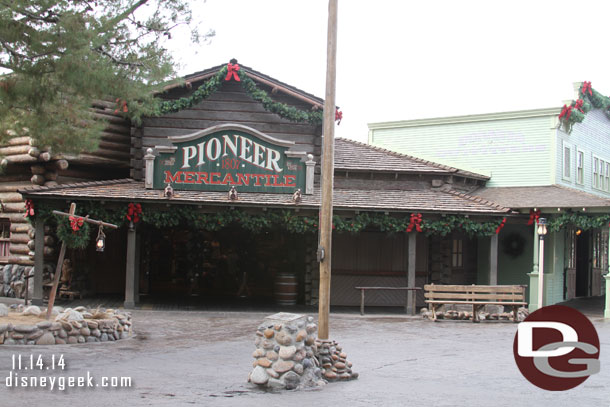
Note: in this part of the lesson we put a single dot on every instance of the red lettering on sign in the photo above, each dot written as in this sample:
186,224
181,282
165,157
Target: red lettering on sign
189,177
228,179
290,180
202,178
243,179
258,179
175,178
212,181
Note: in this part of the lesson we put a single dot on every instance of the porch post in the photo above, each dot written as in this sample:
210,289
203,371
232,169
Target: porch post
38,261
493,260
533,298
136,274
130,267
411,295
607,277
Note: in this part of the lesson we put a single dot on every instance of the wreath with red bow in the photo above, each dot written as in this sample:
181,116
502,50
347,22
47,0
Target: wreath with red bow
73,231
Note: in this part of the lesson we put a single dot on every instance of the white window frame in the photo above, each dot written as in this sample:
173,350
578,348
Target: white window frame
567,164
595,175
607,177
580,166
5,239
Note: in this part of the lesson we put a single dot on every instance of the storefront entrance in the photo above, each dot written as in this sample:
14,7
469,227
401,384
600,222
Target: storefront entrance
224,265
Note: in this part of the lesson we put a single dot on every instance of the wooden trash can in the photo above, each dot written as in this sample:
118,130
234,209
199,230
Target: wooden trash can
286,289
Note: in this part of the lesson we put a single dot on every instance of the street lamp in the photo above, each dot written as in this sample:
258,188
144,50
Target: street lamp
541,233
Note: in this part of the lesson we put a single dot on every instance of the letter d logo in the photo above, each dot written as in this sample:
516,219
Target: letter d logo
556,348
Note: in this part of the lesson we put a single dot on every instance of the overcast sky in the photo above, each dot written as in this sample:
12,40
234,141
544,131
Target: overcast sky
401,60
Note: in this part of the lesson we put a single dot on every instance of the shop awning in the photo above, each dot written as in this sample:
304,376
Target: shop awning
420,200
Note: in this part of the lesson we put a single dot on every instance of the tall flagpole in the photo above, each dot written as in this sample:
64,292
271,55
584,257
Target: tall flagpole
328,158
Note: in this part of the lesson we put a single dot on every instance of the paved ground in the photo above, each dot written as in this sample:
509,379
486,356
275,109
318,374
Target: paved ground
203,358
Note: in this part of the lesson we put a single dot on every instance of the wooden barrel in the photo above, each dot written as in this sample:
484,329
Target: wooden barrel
286,289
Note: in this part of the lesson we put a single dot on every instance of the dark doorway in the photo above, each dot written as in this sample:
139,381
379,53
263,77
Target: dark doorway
232,264
583,264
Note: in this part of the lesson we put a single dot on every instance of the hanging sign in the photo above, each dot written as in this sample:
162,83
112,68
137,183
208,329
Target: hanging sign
228,156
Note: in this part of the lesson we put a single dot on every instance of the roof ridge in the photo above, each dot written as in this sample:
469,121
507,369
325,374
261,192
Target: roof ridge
478,199
578,190
82,184
416,159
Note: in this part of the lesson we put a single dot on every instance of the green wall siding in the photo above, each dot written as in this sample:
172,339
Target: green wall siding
514,152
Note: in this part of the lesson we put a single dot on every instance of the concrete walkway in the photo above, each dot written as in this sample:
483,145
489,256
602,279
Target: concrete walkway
183,358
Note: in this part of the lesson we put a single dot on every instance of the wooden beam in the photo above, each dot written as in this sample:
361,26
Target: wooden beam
493,260
38,262
412,251
130,286
328,158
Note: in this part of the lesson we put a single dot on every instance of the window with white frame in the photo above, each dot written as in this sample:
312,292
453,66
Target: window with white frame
595,180
5,235
567,161
580,167
602,166
607,178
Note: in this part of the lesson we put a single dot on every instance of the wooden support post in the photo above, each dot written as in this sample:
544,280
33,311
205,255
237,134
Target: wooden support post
411,295
60,261
136,276
362,301
493,260
38,262
130,267
328,158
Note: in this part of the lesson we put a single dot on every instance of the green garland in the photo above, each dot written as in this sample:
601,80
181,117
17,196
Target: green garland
213,84
589,101
584,222
72,239
287,219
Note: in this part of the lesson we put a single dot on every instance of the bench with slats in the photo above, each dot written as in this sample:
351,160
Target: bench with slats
475,295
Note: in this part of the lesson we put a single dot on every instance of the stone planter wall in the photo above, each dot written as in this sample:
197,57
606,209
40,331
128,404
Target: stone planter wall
68,331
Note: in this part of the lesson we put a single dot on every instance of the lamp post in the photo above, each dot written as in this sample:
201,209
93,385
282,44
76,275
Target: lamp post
541,233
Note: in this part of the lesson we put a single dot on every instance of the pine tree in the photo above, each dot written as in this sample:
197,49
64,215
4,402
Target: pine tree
57,56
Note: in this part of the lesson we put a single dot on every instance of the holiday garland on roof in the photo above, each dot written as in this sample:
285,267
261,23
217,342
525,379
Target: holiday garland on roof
289,220
588,98
233,71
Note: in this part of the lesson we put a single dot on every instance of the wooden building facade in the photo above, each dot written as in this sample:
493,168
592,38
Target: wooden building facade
399,220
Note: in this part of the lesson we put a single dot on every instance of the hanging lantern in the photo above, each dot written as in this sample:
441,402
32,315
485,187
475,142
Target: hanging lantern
100,241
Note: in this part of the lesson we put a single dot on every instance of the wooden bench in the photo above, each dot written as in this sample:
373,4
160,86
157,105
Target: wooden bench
363,289
475,295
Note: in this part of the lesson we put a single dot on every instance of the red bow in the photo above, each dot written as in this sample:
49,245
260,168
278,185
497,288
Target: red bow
76,222
415,221
566,111
133,212
500,226
232,72
534,216
121,106
586,87
338,116
578,105
29,208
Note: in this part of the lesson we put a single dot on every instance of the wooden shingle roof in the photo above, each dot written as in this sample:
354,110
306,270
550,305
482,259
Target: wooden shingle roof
421,200
352,155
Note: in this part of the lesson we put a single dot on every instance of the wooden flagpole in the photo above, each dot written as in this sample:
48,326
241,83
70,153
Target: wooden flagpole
328,158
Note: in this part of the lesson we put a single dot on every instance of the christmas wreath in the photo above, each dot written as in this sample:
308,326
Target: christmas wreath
513,244
74,235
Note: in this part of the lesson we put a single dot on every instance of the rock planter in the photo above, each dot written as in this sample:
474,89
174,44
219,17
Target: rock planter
288,355
70,326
